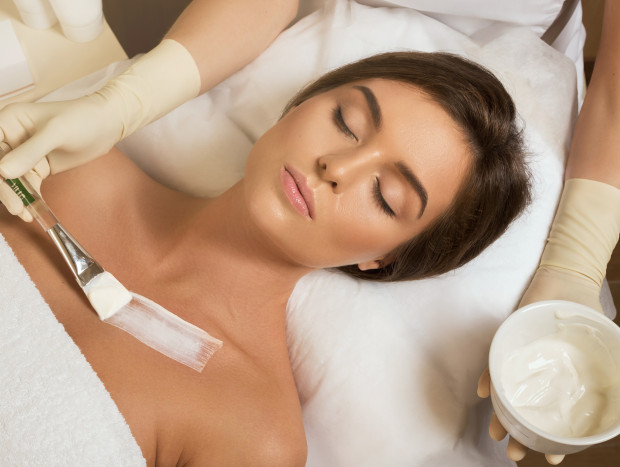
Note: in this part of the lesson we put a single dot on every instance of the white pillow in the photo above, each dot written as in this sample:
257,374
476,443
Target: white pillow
386,372
474,16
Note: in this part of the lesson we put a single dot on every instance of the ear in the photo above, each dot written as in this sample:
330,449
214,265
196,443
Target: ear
368,265
377,263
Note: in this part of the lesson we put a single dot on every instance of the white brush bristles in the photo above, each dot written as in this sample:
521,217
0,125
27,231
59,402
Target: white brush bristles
106,294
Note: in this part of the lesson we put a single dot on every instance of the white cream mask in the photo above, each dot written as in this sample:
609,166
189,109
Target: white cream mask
566,383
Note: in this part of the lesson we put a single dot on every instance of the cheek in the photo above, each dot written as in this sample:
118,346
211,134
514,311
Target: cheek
359,232
264,150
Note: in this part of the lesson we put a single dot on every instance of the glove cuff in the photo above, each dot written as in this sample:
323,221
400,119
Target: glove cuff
585,229
561,284
155,84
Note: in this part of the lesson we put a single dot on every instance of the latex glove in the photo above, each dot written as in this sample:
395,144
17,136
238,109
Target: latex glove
515,450
34,177
69,133
582,239
572,267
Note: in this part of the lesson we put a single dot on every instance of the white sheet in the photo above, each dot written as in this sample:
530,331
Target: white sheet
386,373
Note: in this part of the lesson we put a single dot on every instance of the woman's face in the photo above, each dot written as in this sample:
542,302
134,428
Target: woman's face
350,174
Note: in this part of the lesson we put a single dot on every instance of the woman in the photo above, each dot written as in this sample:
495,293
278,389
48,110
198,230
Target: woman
398,157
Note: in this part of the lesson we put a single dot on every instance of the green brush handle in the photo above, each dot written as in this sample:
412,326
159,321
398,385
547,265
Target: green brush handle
33,202
83,266
29,196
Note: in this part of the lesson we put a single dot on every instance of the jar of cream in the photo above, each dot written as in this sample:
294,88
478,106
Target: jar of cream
555,372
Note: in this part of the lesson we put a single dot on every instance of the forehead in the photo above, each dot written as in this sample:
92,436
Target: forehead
400,95
412,114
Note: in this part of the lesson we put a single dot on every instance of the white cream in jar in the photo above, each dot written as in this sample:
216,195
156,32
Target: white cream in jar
566,383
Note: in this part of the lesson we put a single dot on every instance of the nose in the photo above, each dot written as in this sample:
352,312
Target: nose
342,170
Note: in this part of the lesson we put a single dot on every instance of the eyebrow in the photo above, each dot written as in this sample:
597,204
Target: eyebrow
407,173
373,105
415,184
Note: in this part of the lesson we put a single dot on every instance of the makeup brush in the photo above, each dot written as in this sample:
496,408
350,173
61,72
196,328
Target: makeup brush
144,319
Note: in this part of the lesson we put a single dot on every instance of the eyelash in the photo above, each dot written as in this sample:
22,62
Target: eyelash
385,207
341,124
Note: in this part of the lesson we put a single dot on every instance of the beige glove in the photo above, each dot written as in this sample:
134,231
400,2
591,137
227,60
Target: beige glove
582,239
73,132
573,264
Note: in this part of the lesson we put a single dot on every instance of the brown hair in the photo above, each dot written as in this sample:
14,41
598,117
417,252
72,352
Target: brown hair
494,192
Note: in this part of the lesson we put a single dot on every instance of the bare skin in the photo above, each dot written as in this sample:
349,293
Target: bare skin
228,265
225,35
243,408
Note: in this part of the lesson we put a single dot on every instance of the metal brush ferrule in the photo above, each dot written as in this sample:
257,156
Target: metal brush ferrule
83,266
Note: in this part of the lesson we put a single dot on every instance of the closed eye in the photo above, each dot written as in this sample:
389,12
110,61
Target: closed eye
341,124
383,205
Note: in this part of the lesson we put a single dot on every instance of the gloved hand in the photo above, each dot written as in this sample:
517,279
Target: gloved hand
34,177
70,133
573,265
582,239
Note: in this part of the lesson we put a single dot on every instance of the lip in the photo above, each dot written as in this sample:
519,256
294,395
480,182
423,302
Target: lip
297,191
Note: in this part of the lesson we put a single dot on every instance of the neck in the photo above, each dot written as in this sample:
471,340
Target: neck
215,243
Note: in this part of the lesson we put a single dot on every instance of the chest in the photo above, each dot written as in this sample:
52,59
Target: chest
172,411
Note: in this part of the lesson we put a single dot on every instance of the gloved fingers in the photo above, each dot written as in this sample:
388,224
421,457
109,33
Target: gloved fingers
484,384
4,148
34,179
34,176
515,450
42,168
25,216
554,459
16,123
7,197
25,156
496,429
12,202
33,131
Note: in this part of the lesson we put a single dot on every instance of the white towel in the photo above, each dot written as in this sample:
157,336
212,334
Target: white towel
54,410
